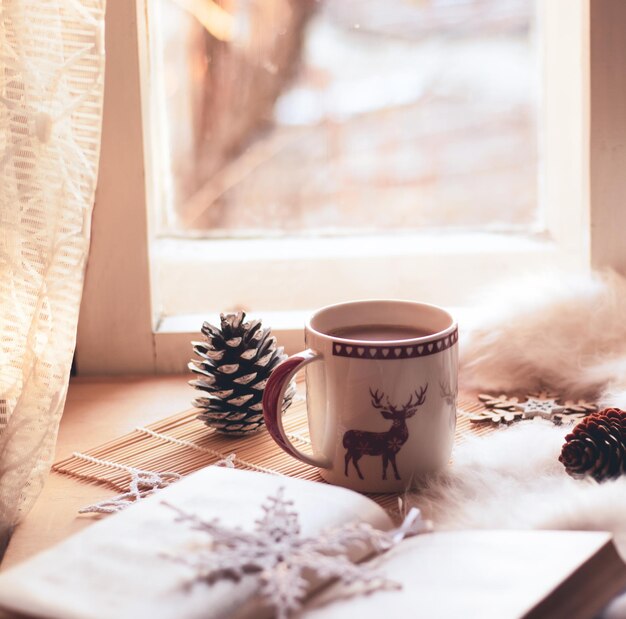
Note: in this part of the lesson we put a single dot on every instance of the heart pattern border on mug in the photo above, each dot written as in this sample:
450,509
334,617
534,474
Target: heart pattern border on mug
372,351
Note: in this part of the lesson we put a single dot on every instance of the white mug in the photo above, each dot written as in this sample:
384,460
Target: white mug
381,412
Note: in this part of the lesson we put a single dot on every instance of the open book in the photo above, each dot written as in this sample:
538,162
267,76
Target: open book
120,567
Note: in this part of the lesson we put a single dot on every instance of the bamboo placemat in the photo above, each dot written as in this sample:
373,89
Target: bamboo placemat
183,444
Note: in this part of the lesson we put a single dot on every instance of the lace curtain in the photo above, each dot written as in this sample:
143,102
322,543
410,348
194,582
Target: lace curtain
51,83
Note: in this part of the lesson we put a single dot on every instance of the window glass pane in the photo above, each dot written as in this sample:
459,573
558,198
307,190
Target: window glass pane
344,116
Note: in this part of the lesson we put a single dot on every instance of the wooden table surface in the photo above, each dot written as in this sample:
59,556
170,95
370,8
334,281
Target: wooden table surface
97,410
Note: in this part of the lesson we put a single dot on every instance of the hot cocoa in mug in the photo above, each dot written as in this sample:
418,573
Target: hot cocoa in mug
381,384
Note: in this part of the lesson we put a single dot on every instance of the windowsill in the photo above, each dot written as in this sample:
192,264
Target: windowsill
300,275
191,323
288,327
435,241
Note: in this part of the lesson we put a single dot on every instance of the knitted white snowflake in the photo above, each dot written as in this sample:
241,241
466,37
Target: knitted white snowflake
142,484
280,555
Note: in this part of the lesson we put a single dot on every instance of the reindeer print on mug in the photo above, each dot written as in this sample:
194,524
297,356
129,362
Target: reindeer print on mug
360,443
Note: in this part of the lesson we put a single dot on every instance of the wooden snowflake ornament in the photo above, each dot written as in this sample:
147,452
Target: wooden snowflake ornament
544,404
498,402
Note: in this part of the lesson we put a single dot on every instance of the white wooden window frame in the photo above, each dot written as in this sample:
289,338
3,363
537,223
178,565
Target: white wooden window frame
583,158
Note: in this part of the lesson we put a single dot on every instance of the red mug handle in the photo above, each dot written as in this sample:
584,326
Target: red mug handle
273,397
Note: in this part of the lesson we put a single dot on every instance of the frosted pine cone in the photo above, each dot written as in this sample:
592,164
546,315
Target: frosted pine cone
235,362
597,446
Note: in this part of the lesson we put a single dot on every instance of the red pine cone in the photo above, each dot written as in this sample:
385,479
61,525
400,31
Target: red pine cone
597,446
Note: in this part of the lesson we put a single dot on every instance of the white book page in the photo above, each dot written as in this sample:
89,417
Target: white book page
468,574
118,567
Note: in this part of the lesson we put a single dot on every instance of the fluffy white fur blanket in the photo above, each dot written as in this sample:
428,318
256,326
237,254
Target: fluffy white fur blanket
558,330
512,479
